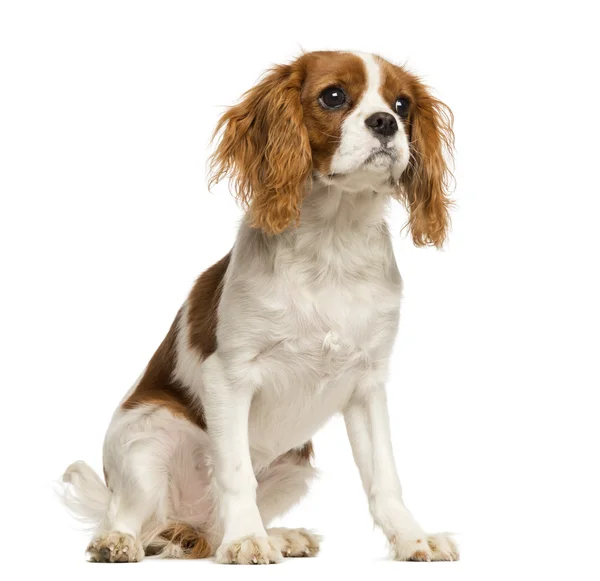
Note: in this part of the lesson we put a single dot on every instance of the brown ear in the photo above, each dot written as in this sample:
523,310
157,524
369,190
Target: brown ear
264,148
425,182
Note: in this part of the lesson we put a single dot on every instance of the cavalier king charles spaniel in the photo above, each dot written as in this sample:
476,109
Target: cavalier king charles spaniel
295,324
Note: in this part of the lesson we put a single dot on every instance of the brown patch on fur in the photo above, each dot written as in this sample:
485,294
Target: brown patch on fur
306,453
272,140
203,303
302,456
157,386
190,540
425,183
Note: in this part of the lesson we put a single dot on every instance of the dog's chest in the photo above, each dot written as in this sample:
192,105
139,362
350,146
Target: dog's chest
328,323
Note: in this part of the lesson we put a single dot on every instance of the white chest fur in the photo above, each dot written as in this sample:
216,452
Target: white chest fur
308,315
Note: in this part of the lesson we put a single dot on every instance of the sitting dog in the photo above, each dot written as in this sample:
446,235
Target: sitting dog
294,325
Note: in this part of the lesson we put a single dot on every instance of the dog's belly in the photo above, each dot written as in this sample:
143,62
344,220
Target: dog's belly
301,389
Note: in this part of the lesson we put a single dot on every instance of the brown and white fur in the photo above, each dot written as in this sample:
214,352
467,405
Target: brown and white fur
294,325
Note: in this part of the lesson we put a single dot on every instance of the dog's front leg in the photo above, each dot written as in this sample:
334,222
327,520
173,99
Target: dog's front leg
227,404
367,423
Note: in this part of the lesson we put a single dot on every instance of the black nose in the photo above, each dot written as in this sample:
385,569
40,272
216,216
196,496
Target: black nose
382,123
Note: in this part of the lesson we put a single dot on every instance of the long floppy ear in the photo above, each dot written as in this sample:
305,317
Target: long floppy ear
425,182
264,148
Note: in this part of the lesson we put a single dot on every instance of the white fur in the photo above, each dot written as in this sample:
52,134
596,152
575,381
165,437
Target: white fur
306,324
159,472
87,497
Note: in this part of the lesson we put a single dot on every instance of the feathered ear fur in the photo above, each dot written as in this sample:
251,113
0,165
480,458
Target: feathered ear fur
425,183
264,148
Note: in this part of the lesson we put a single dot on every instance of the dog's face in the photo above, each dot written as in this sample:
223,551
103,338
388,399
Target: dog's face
353,121
357,133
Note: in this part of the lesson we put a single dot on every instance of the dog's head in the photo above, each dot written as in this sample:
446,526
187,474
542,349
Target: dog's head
353,121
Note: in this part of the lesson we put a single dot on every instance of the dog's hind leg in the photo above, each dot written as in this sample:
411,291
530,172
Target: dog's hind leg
281,486
136,459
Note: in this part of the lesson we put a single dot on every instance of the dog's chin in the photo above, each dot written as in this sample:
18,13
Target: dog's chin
381,160
379,172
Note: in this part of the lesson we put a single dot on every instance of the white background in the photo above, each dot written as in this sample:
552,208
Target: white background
106,109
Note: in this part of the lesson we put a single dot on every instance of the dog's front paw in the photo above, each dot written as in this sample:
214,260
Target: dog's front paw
115,547
295,542
438,547
252,550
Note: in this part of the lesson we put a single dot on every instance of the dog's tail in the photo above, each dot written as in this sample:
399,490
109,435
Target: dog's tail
84,494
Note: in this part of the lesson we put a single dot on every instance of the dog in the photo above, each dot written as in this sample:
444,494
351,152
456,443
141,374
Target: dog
294,325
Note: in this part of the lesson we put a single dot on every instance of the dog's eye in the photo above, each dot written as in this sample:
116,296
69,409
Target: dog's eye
402,106
332,98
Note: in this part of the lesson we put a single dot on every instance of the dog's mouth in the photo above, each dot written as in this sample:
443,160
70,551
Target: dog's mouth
381,156
379,161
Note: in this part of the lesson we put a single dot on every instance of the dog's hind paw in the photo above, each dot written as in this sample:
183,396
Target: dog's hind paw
295,542
115,547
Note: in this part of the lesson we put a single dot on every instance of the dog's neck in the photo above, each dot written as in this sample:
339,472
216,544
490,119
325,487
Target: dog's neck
333,221
330,206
